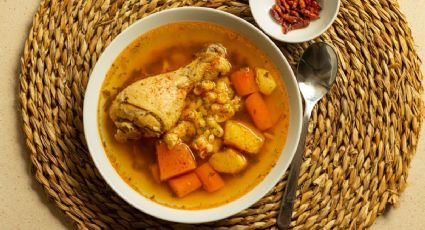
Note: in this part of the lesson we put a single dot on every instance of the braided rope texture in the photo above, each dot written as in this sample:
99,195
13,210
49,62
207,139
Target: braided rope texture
361,137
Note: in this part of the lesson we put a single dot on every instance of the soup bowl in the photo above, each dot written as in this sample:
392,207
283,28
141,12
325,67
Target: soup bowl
93,92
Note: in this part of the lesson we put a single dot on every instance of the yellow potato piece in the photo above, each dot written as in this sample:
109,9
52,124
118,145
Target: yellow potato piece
243,137
228,161
265,81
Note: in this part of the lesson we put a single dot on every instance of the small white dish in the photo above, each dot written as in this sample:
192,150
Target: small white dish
261,11
93,90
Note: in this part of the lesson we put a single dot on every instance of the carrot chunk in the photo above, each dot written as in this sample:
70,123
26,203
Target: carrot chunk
211,180
173,162
243,81
257,109
185,184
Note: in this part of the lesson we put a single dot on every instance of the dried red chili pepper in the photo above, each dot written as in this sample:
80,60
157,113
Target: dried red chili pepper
309,14
275,15
295,14
295,4
302,4
300,24
290,19
284,4
315,5
285,28
280,11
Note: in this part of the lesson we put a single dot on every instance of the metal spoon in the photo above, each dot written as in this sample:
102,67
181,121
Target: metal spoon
316,72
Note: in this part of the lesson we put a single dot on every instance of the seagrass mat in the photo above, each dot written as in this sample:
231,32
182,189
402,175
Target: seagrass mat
362,136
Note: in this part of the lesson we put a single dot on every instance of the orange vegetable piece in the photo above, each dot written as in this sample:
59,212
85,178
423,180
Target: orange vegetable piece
243,81
210,179
185,184
259,112
155,172
173,162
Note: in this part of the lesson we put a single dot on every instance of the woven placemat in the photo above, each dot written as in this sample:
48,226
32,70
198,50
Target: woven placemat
362,136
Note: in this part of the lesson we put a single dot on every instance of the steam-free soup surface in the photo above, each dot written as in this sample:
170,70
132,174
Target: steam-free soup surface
166,49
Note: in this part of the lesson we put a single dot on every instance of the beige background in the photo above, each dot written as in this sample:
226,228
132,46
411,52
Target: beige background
23,204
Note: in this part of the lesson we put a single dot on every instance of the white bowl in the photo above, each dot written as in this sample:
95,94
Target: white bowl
261,11
91,120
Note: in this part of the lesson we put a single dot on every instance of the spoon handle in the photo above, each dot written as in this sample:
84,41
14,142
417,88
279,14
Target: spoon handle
287,204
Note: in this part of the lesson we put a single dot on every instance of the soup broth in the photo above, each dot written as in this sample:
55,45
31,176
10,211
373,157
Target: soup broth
168,48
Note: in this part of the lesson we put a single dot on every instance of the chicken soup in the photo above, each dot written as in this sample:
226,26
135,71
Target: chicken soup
193,115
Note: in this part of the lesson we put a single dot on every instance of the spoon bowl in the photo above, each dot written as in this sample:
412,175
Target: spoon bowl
316,73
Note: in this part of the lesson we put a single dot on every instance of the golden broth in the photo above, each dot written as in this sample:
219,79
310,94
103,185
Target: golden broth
177,43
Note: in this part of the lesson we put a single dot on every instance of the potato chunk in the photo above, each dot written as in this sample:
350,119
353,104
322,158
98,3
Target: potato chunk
265,81
243,137
228,161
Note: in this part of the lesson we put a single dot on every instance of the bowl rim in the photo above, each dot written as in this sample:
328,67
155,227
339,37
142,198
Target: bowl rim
125,191
284,38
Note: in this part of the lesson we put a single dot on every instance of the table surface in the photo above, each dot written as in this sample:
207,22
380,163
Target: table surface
23,203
